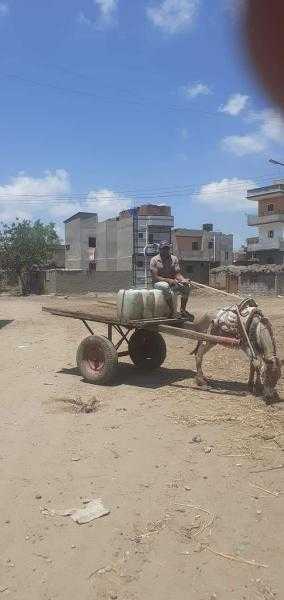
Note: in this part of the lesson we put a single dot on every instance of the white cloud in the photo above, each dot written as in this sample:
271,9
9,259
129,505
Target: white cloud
241,145
235,105
197,89
106,13
32,197
107,7
226,195
106,203
270,128
173,16
4,9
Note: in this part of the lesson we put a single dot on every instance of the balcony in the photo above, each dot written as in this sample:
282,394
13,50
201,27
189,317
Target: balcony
270,244
255,220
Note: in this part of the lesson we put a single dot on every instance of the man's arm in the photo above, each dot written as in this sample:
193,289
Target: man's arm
178,275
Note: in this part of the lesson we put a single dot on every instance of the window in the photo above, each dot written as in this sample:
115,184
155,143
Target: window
226,255
67,247
195,246
150,238
141,235
270,260
210,245
92,242
271,234
270,208
140,264
189,269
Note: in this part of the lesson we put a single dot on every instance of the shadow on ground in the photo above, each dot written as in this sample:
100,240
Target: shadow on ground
127,374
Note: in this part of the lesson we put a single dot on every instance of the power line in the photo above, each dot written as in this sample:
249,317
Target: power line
134,192
127,100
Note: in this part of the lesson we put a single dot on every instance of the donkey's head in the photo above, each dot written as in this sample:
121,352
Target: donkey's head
270,373
270,369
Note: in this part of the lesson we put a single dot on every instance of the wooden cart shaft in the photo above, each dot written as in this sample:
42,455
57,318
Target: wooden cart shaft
169,326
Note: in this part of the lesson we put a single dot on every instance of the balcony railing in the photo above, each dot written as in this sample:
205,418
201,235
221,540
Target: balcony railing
255,220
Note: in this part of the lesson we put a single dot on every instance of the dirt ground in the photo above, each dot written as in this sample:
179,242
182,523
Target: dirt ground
185,515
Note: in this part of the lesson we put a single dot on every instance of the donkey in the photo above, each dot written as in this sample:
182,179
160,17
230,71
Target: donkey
265,366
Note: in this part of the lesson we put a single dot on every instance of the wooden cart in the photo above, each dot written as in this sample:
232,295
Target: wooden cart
97,355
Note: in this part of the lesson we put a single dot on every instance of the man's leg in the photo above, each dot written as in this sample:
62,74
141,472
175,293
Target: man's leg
183,289
184,297
164,287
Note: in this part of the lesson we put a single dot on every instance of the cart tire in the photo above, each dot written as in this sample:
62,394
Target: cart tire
147,349
97,359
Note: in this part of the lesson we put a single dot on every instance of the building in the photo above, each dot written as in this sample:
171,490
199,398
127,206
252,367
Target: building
80,240
58,258
268,246
200,250
249,280
117,244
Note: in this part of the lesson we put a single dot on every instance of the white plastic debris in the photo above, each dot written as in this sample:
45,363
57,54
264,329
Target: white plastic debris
93,510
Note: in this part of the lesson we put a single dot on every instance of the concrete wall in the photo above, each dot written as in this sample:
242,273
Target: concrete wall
265,257
58,258
106,251
82,281
77,233
124,244
262,283
73,245
197,271
88,229
250,283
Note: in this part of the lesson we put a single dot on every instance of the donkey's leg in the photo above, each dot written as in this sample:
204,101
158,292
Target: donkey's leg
251,378
202,350
258,387
254,382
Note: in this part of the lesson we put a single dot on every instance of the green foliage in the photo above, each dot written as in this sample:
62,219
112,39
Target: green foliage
24,244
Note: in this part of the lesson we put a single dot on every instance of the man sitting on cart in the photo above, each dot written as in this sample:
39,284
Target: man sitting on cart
167,277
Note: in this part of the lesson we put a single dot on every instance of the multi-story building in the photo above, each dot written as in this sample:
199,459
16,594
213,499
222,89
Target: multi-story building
268,246
80,240
199,250
117,244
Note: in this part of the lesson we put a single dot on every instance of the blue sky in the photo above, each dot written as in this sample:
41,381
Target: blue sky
108,102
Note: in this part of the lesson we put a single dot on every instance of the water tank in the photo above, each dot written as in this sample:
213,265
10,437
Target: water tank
207,227
134,305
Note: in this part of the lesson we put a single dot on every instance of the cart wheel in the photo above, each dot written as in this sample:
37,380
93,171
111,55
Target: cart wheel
147,349
97,359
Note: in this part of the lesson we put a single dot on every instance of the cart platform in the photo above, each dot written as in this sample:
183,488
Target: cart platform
97,356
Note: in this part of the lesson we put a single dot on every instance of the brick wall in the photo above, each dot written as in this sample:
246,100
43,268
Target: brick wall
278,204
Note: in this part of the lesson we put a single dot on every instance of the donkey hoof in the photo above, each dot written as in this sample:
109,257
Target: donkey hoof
201,381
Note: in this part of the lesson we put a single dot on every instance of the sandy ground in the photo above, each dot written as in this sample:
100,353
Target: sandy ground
175,504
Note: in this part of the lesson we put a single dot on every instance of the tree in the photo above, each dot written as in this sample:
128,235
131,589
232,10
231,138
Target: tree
24,244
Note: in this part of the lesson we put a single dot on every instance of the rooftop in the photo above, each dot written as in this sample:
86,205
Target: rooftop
81,215
275,188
